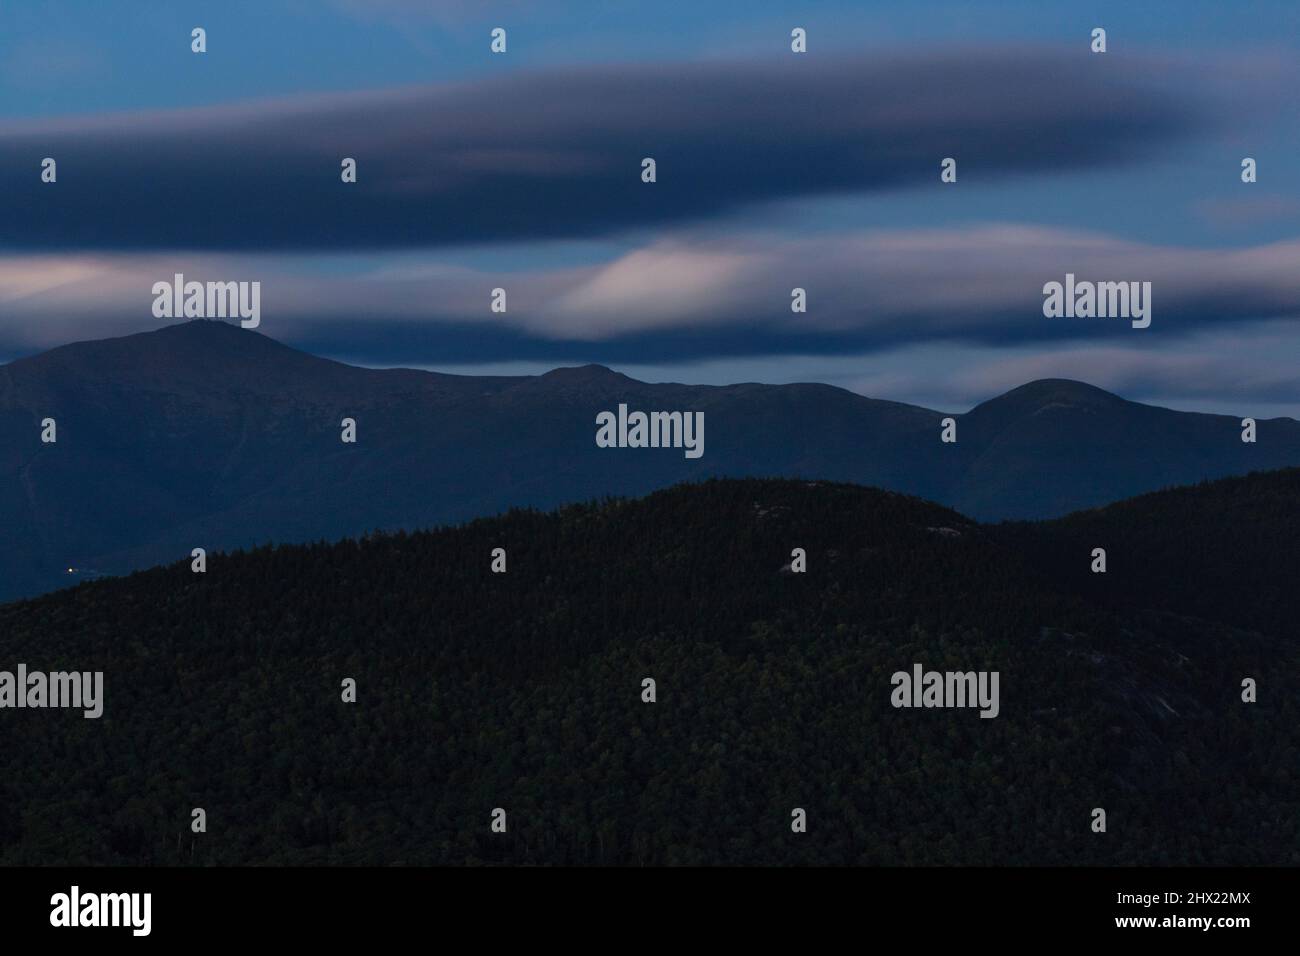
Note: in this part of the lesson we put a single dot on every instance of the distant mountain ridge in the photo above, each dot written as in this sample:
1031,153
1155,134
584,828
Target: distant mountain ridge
202,434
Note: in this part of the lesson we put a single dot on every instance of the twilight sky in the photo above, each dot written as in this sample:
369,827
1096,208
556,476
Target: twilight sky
775,170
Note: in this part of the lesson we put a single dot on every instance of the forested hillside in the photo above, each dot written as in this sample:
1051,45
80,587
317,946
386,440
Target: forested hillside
1226,550
523,690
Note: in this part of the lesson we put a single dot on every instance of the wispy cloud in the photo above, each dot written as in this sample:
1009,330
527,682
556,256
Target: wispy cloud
686,297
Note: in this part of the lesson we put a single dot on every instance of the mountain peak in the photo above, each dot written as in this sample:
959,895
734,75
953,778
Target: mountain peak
1052,393
212,332
208,327
582,374
178,337
1063,387
181,356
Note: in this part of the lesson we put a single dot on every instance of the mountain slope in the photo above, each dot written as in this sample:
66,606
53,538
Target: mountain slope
523,691
1058,446
1225,550
203,434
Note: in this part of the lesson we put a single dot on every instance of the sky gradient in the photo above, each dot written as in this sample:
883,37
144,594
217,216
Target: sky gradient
775,170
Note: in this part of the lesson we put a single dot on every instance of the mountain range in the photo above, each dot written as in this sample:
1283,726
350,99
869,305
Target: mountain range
203,434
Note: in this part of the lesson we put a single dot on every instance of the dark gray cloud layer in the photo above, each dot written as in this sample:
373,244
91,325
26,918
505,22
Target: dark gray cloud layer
557,154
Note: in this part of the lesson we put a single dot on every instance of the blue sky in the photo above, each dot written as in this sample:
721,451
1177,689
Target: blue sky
821,171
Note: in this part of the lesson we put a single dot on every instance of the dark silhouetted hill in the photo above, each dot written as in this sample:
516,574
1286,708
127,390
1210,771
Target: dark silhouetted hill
1225,550
523,691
